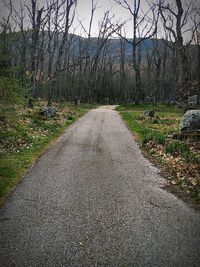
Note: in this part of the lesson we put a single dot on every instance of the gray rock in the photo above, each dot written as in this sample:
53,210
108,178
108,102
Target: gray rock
48,112
192,100
150,113
190,121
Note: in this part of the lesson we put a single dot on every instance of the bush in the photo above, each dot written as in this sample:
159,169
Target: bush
11,90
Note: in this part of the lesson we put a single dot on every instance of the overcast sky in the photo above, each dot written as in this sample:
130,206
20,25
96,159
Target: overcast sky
84,11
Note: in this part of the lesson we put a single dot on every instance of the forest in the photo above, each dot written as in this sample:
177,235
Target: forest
47,52
100,133
54,67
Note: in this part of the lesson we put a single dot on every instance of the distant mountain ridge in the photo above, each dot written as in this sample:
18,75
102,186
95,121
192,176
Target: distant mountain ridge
113,45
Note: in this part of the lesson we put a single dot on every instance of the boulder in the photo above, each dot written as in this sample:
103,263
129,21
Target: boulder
192,100
48,112
190,122
150,113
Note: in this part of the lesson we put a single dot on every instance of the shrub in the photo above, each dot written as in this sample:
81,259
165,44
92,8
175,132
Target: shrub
11,90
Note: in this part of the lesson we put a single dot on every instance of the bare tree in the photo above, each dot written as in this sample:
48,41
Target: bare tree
35,17
123,84
94,50
144,24
158,63
198,43
5,46
18,17
69,8
181,17
196,23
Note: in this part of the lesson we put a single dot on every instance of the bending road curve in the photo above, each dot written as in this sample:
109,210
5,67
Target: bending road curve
94,200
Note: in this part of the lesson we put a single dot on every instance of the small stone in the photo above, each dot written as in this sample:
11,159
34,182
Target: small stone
48,112
150,113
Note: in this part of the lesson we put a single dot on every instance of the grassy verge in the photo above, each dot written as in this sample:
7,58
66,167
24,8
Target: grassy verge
24,136
143,107
180,158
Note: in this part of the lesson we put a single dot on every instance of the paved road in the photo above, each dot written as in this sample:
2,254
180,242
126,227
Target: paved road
94,200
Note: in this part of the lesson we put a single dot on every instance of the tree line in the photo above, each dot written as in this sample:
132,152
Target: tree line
41,51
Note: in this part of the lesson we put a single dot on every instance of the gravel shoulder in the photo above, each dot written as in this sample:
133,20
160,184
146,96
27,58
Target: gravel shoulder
94,200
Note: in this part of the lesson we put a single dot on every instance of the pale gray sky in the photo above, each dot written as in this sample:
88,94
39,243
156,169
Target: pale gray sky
84,11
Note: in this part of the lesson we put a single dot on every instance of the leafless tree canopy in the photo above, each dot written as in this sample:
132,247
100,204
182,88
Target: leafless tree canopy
41,46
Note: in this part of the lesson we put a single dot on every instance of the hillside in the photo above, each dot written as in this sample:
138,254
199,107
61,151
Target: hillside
76,41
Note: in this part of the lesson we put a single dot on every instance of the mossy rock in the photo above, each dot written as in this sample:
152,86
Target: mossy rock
48,112
190,122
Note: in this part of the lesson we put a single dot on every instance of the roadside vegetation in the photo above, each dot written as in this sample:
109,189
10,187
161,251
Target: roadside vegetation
159,136
25,134
59,58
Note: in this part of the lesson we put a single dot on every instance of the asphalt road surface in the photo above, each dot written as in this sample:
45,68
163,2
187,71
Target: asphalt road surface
94,200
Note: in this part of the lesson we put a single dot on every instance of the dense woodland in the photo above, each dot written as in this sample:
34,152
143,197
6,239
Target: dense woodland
42,54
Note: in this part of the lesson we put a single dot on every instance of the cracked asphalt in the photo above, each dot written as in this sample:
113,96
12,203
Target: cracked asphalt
94,200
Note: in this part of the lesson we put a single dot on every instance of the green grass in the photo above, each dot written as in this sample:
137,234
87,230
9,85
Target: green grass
180,158
190,157
177,148
141,127
155,137
143,107
25,135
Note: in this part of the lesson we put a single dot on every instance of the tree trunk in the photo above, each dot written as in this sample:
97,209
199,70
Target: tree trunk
198,97
138,86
